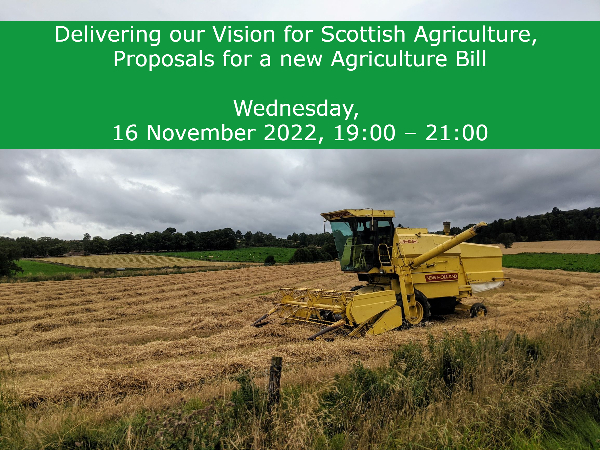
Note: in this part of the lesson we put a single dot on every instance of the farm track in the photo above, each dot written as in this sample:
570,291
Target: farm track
104,338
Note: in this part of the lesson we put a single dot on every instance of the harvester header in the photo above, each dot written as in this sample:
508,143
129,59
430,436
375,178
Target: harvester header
409,275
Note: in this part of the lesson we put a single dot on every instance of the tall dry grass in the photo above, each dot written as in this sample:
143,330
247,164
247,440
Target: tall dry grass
461,391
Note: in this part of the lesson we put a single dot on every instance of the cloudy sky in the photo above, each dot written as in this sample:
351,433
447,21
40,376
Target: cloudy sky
65,193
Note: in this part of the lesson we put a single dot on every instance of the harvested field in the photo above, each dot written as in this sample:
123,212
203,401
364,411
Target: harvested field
132,261
104,338
552,247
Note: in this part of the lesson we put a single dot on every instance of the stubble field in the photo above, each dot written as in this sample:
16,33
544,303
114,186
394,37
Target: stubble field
106,338
589,247
134,261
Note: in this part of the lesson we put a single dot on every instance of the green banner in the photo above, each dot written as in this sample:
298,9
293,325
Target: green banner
421,85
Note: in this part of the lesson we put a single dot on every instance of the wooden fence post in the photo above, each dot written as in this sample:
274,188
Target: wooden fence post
274,381
507,341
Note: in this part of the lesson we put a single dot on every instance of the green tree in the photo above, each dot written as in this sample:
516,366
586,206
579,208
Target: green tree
506,239
57,247
154,241
301,255
99,245
87,243
303,239
167,239
310,254
9,254
140,243
178,242
330,249
258,239
43,245
190,241
28,246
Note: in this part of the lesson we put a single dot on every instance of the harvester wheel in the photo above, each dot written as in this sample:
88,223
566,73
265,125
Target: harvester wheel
420,297
423,309
478,310
417,320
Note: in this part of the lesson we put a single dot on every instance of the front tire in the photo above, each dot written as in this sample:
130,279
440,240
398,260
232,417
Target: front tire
420,297
423,309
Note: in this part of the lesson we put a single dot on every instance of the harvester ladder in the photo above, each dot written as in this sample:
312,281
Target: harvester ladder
384,255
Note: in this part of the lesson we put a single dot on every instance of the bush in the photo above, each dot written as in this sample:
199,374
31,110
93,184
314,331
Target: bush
310,254
331,250
301,255
270,260
8,256
506,239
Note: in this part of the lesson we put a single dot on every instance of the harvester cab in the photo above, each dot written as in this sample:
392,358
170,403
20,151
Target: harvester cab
362,238
409,274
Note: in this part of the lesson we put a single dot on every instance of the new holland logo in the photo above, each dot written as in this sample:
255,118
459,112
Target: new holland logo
441,277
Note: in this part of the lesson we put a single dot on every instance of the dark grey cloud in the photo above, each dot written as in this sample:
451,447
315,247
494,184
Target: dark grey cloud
69,192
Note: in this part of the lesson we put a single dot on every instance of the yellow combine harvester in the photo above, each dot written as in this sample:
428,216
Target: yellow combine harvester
410,274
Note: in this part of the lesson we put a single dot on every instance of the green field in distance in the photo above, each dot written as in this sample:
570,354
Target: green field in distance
574,262
247,254
548,261
44,268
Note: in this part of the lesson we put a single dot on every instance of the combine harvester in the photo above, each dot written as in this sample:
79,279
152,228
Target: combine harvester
410,275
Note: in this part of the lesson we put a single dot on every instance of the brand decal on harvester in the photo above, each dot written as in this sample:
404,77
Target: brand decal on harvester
441,277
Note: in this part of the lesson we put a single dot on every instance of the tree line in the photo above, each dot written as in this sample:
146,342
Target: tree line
555,225
552,226
158,241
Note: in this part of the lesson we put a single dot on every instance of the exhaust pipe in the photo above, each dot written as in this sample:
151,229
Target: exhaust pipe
447,228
